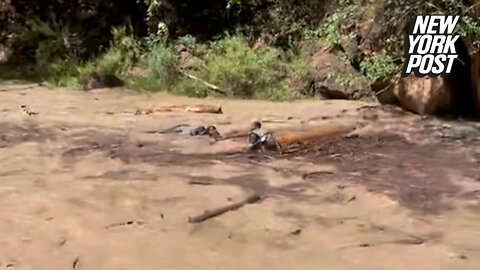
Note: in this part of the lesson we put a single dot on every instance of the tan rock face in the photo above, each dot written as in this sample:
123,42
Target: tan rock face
475,78
333,78
187,62
425,96
457,94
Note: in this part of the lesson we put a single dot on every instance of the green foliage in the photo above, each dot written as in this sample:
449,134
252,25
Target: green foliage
330,29
52,40
299,67
43,42
347,11
193,46
191,88
347,80
190,43
291,30
154,14
122,55
111,61
62,73
242,72
162,65
119,58
469,26
378,67
229,63
49,49
466,25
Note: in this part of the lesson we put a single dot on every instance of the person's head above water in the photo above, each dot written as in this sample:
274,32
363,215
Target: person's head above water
255,125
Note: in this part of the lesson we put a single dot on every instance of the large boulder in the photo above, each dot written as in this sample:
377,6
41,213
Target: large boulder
424,95
334,78
186,61
455,94
475,79
473,46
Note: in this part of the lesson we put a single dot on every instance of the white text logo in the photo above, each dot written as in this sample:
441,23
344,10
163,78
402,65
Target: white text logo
430,46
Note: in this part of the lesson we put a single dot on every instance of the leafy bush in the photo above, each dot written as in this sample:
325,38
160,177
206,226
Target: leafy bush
346,11
162,65
121,56
241,71
191,88
378,67
42,42
159,63
330,30
466,25
64,48
193,46
62,73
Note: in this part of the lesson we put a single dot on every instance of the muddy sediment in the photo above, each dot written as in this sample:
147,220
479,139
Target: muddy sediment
99,191
416,175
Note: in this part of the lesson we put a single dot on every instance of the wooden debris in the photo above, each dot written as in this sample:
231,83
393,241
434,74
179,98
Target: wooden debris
413,241
296,232
126,223
215,109
196,108
167,108
62,243
273,121
353,198
222,210
309,175
75,263
200,182
410,241
207,84
304,136
274,168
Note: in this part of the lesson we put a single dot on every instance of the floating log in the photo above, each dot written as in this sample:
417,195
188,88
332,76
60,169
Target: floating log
222,210
327,132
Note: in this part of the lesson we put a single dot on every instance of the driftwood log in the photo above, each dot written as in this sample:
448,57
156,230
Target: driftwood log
196,108
210,86
222,210
326,133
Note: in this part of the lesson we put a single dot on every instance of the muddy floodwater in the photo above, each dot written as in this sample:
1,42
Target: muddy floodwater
87,182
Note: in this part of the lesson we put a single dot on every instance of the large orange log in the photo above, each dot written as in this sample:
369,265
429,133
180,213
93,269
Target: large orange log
197,108
320,133
216,109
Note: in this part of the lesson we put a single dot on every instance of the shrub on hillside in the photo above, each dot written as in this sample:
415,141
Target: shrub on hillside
162,65
242,72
